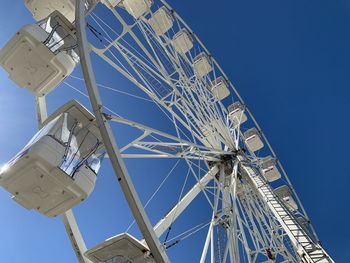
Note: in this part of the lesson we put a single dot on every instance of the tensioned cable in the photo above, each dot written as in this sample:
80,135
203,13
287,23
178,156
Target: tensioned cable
156,191
189,230
183,236
116,90
176,207
86,96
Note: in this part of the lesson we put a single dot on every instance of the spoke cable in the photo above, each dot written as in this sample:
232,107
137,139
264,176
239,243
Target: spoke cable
180,196
155,192
116,90
187,234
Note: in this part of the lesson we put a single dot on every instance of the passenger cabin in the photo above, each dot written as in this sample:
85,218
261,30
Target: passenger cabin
112,3
202,65
57,169
182,41
122,248
137,8
253,140
161,21
43,8
236,113
40,56
285,194
269,169
219,88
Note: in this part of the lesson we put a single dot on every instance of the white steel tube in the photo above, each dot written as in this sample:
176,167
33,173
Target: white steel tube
75,236
118,164
177,210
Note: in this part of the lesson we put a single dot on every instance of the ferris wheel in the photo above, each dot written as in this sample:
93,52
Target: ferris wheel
255,213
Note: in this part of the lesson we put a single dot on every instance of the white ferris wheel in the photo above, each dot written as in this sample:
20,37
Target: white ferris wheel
255,213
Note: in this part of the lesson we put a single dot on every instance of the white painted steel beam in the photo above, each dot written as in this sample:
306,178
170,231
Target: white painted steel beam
107,135
177,210
308,250
75,236
150,130
41,110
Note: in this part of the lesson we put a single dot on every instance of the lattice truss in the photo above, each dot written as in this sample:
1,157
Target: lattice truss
257,215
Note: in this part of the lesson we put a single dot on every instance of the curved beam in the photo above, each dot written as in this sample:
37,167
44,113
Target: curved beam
118,164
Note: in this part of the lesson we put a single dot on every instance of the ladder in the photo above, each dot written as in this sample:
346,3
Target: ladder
308,250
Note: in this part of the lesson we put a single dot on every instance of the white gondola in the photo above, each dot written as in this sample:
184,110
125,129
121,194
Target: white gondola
112,3
219,88
202,65
137,8
182,41
40,56
236,113
285,194
43,8
269,169
122,248
253,140
161,21
57,169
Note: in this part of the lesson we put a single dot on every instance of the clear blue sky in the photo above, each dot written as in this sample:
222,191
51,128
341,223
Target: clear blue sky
290,60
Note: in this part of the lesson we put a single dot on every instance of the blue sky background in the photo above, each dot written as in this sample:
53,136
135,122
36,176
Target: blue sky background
290,61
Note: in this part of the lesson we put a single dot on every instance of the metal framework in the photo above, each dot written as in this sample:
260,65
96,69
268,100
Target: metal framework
251,221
